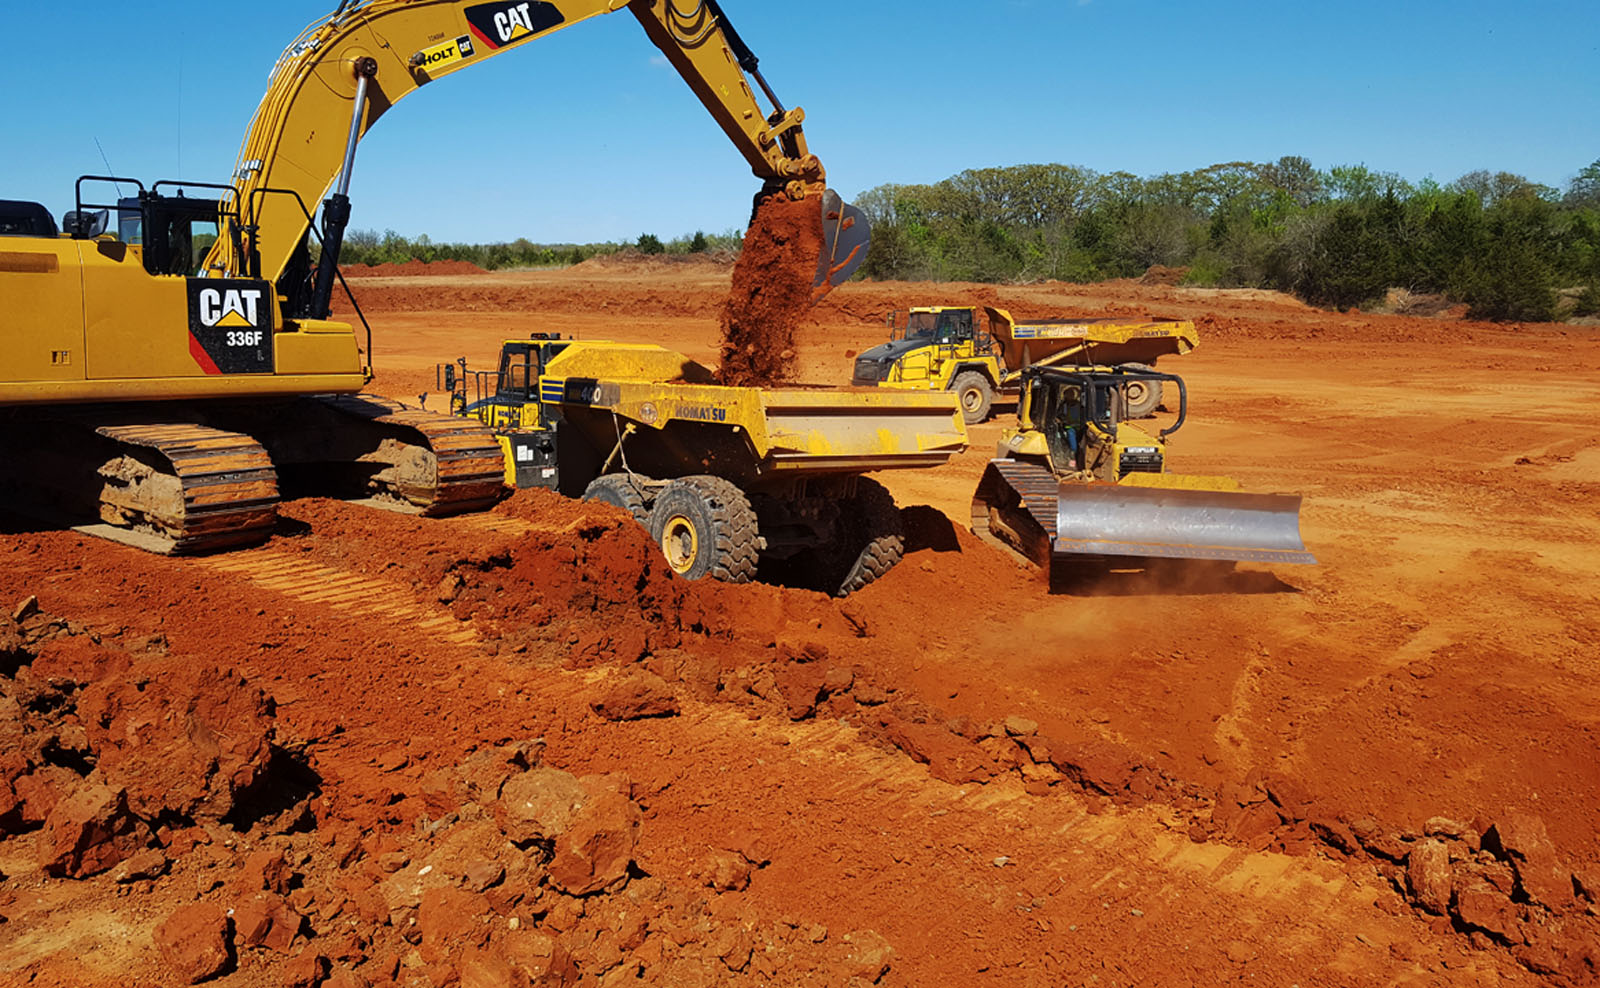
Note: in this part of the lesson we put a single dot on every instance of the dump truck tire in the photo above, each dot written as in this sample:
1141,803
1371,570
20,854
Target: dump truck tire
877,533
622,491
1144,397
706,527
974,394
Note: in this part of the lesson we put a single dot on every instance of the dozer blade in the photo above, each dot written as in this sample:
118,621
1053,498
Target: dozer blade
1107,520
846,235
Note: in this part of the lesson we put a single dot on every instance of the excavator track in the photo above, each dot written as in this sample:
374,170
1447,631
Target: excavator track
1014,509
171,487
225,495
470,472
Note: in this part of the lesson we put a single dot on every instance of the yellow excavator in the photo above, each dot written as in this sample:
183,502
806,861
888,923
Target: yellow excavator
169,361
1076,482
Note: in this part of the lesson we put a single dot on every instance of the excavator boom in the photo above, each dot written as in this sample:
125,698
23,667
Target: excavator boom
342,74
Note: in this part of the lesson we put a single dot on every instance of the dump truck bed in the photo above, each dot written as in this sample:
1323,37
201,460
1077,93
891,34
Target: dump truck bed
1105,341
783,429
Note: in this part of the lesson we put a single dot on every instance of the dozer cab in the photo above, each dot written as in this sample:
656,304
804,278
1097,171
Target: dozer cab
1076,481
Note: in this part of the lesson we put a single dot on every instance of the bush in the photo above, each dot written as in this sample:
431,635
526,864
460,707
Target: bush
649,243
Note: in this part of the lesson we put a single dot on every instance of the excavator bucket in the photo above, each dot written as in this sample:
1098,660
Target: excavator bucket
1108,520
846,235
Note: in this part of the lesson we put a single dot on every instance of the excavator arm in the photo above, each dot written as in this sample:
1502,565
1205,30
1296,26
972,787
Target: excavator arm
344,73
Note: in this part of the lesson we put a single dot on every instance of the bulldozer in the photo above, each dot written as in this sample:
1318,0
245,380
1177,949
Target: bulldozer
733,483
171,366
1077,482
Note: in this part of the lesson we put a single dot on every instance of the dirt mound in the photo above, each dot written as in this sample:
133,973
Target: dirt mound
772,292
411,269
1158,274
633,259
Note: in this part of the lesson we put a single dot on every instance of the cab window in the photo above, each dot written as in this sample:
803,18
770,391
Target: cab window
517,374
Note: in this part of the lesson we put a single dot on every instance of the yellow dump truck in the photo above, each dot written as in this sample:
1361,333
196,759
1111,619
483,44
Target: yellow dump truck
980,352
730,481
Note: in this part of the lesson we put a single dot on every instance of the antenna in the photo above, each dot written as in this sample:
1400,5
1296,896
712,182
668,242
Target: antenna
109,169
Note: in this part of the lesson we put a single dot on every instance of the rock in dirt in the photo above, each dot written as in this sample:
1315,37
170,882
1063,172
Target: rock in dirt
636,698
89,832
1479,904
193,942
266,920
141,866
539,805
1432,879
1524,841
307,970
180,738
595,851
726,871
868,956
264,870
1021,727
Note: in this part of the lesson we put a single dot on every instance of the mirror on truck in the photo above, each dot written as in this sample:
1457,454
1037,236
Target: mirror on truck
895,323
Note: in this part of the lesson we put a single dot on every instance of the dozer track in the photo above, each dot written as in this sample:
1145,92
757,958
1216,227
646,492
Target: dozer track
467,472
1014,508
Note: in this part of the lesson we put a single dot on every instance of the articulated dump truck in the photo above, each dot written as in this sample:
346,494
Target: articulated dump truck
979,352
1077,484
731,482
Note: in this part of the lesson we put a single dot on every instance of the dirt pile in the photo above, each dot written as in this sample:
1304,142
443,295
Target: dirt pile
771,293
108,751
412,269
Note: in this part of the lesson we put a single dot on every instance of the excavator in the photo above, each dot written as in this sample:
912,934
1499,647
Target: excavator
169,376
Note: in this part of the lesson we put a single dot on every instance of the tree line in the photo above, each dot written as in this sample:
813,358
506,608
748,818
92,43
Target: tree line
1507,247
389,247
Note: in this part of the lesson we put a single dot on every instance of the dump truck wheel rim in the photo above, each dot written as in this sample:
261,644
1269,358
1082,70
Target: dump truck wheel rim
680,541
971,400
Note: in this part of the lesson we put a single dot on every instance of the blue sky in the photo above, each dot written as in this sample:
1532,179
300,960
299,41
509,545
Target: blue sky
585,136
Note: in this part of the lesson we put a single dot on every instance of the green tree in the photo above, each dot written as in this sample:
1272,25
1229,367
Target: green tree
649,243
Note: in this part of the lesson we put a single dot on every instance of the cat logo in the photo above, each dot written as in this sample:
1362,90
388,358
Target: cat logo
435,58
230,326
235,307
510,21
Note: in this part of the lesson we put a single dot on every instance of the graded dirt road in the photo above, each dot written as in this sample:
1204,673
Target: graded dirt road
1380,770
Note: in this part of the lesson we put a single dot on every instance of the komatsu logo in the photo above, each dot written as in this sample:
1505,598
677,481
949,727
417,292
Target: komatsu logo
701,413
234,307
505,23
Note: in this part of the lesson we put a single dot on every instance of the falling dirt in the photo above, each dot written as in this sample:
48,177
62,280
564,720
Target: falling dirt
771,293
512,749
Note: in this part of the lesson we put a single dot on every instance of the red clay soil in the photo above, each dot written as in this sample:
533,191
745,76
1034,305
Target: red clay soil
771,292
430,269
512,749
